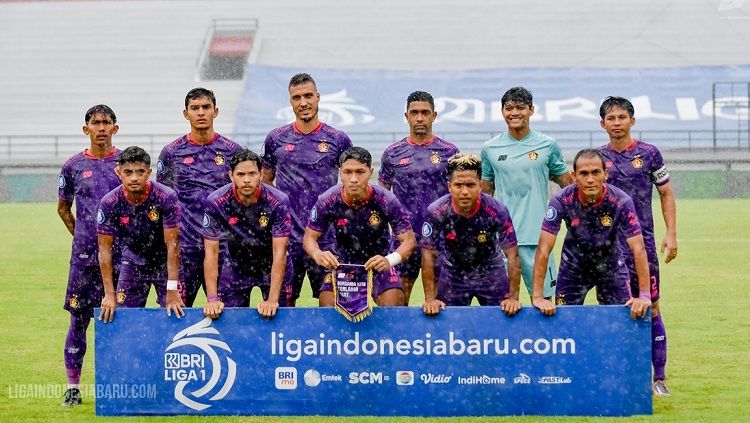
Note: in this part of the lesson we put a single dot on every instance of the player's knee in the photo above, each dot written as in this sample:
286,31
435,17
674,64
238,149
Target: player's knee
393,297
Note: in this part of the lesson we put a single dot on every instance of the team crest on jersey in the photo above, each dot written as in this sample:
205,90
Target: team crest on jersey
533,155
100,216
606,220
206,220
74,302
374,218
323,147
435,158
153,214
426,229
219,160
120,296
263,220
560,300
482,237
637,162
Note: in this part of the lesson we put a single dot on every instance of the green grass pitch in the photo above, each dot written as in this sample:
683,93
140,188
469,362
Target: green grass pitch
703,306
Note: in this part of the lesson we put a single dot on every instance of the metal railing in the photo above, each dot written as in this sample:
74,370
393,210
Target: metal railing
53,149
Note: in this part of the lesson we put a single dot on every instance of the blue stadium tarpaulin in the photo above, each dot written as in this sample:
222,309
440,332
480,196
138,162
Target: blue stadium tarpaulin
357,100
468,361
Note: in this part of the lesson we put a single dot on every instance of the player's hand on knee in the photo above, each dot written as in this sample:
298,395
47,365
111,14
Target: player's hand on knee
174,303
108,309
378,264
432,307
213,309
268,308
544,305
326,259
638,307
510,306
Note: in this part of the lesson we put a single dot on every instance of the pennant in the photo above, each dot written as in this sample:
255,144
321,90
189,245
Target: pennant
352,287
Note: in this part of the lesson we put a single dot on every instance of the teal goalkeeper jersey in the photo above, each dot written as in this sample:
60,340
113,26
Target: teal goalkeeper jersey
520,170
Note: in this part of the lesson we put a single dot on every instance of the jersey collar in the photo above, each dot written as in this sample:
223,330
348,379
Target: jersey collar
598,201
297,130
192,141
474,210
359,204
412,142
110,154
237,195
145,196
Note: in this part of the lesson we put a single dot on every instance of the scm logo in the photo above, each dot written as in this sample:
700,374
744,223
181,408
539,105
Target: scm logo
367,378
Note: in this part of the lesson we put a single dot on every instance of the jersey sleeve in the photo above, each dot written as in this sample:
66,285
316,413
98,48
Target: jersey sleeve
556,162
629,224
282,220
398,217
659,173
165,168
269,158
171,218
66,189
553,217
488,174
430,233
106,221
506,232
319,217
385,174
212,227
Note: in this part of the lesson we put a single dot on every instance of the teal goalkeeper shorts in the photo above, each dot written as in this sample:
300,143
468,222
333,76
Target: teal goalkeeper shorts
527,253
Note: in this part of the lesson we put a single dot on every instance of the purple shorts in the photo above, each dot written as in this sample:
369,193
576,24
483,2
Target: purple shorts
133,288
191,275
381,282
611,288
85,289
410,268
234,288
457,287
654,279
302,265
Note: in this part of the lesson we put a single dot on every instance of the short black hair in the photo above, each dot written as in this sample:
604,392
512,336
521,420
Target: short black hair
200,92
518,95
611,102
244,155
99,108
301,78
462,161
357,153
134,154
420,96
589,153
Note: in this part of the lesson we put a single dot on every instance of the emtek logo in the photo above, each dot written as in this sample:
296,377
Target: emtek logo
286,378
367,378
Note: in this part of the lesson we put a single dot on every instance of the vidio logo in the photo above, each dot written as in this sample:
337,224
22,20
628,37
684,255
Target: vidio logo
206,368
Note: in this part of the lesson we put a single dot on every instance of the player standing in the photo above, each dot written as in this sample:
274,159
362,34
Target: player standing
636,167
254,220
596,215
469,229
362,217
302,157
516,168
415,168
195,165
84,179
143,217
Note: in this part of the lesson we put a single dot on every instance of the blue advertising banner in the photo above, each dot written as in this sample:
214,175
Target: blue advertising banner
468,361
365,100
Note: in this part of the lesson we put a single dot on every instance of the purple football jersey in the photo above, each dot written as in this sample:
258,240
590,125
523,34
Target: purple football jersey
417,174
635,171
194,170
85,179
305,166
139,228
467,243
591,243
248,230
360,232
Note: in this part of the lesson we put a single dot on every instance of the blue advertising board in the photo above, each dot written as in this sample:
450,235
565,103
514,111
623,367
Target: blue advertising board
369,100
468,361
